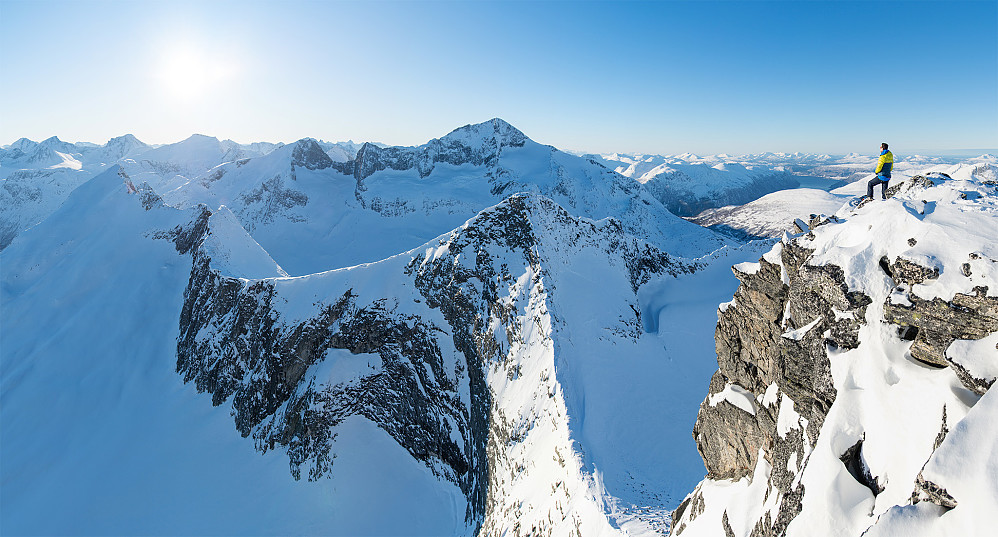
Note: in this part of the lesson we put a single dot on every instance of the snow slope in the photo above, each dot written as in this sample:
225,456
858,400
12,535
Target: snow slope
770,215
98,427
36,177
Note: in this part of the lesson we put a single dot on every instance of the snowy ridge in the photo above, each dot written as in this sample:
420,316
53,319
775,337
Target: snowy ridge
468,345
771,215
36,177
493,160
406,196
883,384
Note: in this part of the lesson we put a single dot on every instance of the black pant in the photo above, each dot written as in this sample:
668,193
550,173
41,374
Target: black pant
878,180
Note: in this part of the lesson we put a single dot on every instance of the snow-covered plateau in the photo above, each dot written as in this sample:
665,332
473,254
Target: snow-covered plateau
484,335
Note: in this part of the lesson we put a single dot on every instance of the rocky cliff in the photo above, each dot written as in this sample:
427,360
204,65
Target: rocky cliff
450,349
847,354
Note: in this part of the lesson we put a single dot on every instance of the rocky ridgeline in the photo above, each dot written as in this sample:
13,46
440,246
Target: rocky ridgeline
477,145
773,388
463,328
308,154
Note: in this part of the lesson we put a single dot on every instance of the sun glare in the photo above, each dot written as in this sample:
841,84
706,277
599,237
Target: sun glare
188,72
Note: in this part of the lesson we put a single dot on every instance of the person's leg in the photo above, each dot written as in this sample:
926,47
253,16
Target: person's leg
869,186
883,192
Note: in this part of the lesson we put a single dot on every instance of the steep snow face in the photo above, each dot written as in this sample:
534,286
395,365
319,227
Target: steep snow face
29,196
35,178
874,391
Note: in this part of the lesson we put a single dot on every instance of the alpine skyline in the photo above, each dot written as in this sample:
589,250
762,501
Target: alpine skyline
641,77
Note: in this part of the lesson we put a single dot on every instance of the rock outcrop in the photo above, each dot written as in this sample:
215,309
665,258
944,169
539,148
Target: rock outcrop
802,307
772,344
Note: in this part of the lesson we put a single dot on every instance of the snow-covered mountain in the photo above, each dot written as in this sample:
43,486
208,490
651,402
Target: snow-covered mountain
404,196
855,361
511,340
36,177
453,385
688,184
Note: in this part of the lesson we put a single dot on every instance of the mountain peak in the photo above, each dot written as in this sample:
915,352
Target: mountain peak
201,138
495,129
309,154
129,139
23,144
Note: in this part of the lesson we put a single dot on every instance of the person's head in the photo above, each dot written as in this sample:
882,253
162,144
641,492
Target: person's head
883,146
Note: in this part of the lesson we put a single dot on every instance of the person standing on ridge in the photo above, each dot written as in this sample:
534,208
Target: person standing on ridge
883,172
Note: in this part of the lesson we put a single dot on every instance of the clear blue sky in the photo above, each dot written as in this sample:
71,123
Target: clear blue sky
654,77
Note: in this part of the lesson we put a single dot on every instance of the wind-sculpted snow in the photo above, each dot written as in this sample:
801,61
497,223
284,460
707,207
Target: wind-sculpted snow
771,215
452,349
846,359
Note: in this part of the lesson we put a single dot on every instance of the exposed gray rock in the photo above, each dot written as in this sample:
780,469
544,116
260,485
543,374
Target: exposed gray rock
917,181
308,154
972,382
908,272
728,437
150,199
939,322
728,532
695,504
928,491
272,198
783,320
452,149
853,460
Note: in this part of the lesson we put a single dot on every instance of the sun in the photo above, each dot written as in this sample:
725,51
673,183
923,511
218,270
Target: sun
189,72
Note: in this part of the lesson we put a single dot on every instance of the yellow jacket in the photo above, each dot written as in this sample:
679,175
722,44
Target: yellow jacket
885,164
